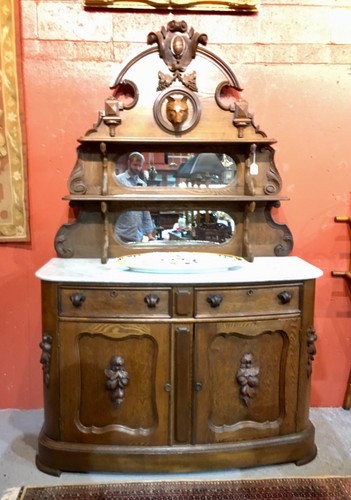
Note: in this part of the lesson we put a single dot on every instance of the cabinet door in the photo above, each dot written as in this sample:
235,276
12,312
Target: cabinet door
114,380
246,375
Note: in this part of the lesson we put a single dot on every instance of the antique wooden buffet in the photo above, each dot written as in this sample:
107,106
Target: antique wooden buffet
201,360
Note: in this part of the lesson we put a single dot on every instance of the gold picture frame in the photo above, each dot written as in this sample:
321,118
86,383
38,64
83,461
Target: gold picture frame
14,218
237,6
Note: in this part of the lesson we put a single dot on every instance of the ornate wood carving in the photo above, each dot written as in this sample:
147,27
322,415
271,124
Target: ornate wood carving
311,349
177,45
274,184
45,358
62,243
247,378
76,181
285,246
117,379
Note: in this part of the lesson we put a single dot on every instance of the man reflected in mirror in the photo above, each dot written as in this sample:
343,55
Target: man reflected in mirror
134,225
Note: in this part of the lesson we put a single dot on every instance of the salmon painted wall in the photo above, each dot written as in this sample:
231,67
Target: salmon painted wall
293,60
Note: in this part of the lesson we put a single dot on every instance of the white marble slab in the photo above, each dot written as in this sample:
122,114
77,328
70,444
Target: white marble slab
263,269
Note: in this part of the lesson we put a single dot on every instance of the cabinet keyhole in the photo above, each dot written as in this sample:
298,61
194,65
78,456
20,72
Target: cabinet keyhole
198,386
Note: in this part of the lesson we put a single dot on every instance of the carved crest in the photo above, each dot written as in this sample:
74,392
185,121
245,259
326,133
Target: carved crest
177,47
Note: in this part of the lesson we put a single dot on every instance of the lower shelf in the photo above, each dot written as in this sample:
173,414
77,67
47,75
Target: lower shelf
55,457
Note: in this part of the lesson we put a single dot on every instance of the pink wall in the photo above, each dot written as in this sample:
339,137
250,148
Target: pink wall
293,60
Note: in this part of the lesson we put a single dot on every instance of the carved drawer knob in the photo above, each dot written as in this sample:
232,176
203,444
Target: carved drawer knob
214,300
198,386
284,297
152,300
77,299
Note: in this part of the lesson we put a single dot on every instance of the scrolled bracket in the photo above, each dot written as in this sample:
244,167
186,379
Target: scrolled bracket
285,247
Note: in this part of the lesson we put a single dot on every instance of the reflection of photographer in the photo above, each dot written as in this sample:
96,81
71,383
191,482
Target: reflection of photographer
131,225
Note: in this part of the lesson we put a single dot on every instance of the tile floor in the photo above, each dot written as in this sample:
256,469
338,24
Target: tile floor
18,443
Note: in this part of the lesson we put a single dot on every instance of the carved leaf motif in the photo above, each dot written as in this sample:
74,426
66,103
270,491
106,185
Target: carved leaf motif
274,181
164,80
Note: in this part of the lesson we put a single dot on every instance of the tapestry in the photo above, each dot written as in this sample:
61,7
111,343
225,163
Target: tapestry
320,488
14,220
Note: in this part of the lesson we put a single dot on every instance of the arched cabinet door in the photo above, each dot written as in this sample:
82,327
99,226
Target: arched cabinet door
114,383
248,373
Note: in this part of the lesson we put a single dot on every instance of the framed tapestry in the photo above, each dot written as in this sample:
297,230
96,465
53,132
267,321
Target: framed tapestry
238,6
14,218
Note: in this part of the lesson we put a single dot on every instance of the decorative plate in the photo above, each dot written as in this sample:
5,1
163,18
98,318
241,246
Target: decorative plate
180,262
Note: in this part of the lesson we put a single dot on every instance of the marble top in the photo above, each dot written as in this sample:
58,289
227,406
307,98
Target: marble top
263,269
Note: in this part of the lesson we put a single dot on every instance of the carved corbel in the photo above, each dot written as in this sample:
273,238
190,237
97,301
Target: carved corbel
274,183
45,358
311,349
76,182
284,248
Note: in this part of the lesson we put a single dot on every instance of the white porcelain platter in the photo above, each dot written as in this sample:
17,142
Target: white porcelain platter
180,262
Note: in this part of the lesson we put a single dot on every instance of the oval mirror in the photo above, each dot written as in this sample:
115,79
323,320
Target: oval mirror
206,170
189,227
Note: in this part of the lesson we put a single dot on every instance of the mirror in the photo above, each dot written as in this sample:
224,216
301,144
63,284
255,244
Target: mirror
189,227
205,170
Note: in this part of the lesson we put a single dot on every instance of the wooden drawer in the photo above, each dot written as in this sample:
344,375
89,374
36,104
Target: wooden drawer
243,301
112,302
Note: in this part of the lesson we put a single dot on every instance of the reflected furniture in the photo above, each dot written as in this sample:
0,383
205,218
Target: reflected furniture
176,371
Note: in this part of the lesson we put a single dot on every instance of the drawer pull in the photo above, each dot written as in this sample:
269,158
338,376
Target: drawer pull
152,300
77,299
284,297
167,387
198,386
214,300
